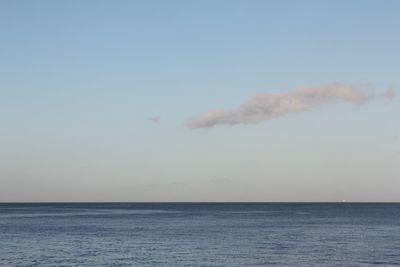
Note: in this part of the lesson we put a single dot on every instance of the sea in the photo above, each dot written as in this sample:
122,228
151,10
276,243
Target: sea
199,234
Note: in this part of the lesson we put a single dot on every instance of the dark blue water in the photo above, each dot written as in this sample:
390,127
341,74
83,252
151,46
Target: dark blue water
259,234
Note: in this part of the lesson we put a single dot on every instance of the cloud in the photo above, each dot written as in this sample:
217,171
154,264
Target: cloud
389,94
265,106
156,120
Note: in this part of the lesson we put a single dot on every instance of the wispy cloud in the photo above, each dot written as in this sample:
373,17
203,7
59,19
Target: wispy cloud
156,120
265,106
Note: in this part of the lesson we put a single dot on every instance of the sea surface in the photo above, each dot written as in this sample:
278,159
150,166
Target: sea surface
199,234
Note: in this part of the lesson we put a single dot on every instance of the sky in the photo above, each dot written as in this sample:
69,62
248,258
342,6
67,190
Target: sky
199,100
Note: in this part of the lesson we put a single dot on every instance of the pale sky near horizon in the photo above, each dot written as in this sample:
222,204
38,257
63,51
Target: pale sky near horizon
95,99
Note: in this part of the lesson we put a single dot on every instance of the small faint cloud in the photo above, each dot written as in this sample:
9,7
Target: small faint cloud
156,119
395,138
221,181
389,94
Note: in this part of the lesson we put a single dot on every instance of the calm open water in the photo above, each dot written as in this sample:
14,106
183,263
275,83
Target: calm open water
198,234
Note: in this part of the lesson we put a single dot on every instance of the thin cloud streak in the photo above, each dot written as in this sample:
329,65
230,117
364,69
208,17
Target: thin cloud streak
156,120
265,106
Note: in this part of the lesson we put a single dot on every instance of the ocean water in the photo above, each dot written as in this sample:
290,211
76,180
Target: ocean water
199,234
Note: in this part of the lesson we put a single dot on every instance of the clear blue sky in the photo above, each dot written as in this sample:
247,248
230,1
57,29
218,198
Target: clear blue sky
79,81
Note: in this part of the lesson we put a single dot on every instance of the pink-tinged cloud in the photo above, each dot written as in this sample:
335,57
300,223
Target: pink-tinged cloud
265,106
